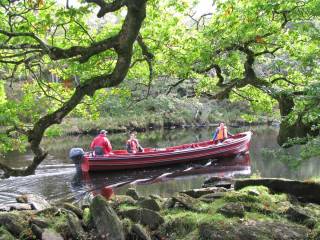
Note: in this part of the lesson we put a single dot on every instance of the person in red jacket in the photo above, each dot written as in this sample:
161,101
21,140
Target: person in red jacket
101,144
133,145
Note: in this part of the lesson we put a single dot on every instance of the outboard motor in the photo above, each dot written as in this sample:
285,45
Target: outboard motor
76,155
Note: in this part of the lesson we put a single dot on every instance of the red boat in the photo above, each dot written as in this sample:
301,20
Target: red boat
122,160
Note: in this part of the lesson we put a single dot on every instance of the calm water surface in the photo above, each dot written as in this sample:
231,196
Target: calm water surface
57,180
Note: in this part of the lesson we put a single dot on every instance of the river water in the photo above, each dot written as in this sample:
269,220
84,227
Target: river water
56,178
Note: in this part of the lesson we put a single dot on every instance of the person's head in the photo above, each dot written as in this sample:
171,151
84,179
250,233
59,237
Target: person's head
103,132
132,135
222,124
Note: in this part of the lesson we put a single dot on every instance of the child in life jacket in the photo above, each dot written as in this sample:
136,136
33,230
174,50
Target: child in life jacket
221,133
133,145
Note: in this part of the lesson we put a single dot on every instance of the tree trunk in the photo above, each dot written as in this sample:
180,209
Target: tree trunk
288,130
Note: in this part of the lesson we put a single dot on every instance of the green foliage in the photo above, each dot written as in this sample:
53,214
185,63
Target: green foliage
262,27
3,97
181,49
87,218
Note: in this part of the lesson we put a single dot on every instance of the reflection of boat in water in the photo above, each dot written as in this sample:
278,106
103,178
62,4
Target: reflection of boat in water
237,166
122,160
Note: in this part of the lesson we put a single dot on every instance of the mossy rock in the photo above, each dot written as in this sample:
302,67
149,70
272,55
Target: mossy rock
73,209
13,223
126,226
232,210
36,230
253,230
138,232
75,229
151,204
187,202
59,223
179,226
212,196
169,203
52,211
5,235
144,216
157,197
133,193
297,214
240,197
40,222
196,193
105,219
122,199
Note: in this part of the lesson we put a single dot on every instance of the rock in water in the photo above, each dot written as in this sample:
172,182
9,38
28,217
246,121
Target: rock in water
218,182
196,193
106,220
20,206
37,202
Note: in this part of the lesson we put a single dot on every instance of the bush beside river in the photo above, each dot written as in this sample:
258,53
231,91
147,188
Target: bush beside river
161,112
212,212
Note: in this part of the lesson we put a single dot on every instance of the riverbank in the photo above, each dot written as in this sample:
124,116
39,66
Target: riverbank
77,126
217,211
160,112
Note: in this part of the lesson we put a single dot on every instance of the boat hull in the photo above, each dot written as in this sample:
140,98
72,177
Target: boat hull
240,143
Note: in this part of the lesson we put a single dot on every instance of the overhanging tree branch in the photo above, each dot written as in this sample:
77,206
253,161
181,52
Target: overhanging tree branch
108,7
149,57
122,43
